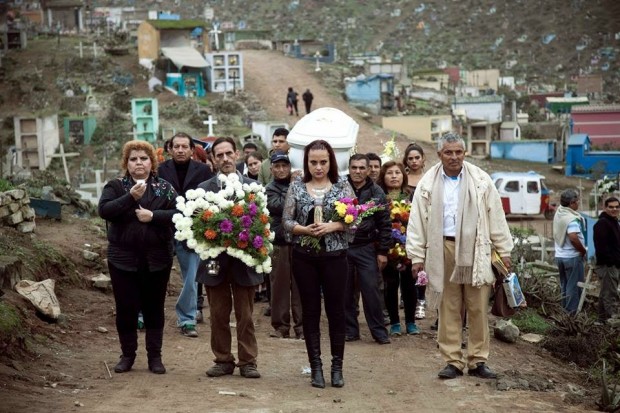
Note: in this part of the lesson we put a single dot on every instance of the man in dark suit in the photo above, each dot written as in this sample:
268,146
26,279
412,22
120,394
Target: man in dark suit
185,174
232,284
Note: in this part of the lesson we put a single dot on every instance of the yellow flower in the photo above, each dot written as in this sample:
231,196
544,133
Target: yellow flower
348,219
341,208
403,230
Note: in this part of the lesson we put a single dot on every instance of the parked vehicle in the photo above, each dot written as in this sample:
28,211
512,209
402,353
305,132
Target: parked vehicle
524,193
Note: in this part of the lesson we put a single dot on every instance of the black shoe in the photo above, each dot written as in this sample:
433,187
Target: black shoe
156,366
124,364
383,340
352,338
450,372
482,371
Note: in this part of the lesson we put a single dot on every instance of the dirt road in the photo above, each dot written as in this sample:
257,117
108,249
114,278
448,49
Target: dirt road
68,372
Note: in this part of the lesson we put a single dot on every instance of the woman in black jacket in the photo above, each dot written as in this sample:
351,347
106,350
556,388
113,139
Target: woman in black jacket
138,209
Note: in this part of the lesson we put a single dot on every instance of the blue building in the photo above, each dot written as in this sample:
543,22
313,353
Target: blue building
373,93
581,160
541,151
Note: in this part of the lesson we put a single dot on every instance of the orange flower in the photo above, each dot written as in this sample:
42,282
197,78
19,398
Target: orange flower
263,251
266,232
210,234
252,197
227,243
159,152
206,215
264,218
395,225
237,210
242,244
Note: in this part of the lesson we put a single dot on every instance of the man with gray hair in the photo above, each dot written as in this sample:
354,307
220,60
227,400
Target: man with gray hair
570,250
453,241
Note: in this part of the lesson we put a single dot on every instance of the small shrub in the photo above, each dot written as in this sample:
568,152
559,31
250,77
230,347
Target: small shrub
5,185
529,321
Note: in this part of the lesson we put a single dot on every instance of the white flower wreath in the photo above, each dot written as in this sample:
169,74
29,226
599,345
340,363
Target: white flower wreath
234,220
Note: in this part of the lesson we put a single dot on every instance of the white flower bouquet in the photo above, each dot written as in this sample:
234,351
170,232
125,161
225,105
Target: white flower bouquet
234,220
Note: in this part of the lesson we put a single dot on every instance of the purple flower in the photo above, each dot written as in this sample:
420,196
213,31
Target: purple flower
346,200
226,226
351,210
244,235
253,209
258,242
246,221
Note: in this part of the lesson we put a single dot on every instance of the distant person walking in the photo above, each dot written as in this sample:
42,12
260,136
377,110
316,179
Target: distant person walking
307,98
292,98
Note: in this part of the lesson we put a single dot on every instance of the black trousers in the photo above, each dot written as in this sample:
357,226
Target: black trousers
393,279
362,261
327,274
139,290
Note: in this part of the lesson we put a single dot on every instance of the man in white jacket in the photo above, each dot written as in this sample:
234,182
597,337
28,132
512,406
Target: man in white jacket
456,220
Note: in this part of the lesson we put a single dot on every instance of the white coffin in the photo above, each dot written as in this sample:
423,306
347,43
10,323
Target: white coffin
329,124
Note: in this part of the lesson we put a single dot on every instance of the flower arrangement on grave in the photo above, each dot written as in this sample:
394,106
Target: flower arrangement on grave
606,185
390,150
346,210
399,214
234,220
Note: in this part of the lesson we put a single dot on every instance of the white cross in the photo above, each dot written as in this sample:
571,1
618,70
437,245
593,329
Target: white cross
215,32
210,122
81,47
64,156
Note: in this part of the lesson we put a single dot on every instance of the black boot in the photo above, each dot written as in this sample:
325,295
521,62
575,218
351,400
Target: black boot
313,345
154,338
337,349
129,345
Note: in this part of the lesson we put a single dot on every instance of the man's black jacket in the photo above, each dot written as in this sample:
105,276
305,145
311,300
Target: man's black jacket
607,241
276,194
377,227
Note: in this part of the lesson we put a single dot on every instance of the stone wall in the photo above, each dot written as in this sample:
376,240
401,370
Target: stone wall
15,210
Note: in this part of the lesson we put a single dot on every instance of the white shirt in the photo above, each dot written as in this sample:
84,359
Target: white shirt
568,250
451,189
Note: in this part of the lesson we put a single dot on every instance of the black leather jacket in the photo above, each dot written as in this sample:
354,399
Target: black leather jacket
377,227
276,195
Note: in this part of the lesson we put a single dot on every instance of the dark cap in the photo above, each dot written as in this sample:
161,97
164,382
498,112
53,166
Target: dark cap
279,156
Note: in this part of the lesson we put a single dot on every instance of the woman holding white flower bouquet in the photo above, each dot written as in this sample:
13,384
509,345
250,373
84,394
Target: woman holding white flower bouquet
320,245
138,209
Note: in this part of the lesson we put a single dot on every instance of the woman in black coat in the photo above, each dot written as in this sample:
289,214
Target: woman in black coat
138,208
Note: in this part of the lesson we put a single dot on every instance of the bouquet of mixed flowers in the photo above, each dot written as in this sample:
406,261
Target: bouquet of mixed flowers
399,214
234,220
349,211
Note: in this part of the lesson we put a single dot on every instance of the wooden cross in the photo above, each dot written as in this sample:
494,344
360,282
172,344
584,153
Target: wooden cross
215,32
97,186
210,122
64,156
81,47
586,287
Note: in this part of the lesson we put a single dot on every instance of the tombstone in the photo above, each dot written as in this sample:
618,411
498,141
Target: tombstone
35,138
145,117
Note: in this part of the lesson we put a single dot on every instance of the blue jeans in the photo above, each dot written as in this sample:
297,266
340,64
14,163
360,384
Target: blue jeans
187,303
571,272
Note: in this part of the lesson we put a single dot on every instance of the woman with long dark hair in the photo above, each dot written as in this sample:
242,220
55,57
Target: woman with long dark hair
322,266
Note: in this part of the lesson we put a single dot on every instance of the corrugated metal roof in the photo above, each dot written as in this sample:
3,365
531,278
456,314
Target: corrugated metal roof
596,108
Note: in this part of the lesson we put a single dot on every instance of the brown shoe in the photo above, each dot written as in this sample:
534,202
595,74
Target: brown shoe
249,371
221,369
279,334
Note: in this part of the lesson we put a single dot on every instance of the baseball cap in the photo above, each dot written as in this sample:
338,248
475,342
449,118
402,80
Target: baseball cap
279,156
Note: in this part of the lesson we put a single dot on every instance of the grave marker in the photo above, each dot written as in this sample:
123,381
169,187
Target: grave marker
210,122
64,156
